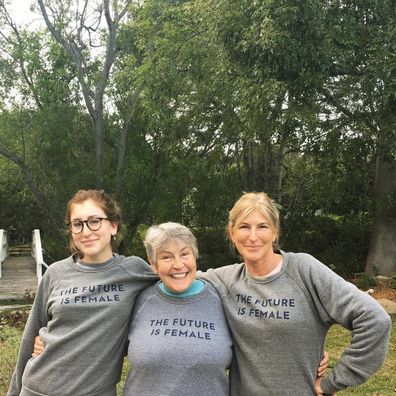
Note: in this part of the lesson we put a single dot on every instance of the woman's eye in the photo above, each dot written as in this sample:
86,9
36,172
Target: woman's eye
165,257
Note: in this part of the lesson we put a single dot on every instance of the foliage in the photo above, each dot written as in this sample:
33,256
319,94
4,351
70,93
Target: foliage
214,248
203,101
327,203
392,282
365,281
15,195
14,318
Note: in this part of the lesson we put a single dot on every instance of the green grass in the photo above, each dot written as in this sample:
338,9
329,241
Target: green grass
9,344
383,383
120,385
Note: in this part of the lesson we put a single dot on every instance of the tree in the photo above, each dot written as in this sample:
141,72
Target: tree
293,98
334,64
92,45
361,88
39,112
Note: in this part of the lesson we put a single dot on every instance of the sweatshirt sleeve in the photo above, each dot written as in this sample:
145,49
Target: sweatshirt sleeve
223,277
341,302
38,317
140,271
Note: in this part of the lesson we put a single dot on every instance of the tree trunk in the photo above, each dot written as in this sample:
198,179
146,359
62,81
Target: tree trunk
381,258
121,163
99,151
80,49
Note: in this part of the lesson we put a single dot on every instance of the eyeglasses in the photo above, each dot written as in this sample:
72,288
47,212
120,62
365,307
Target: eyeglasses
93,223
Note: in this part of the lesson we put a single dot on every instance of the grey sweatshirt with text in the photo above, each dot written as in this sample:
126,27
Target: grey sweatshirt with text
82,313
279,325
178,346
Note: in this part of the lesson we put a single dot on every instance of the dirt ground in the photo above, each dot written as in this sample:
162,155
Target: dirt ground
382,290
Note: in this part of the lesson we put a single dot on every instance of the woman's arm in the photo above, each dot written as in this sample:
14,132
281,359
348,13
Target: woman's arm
341,302
37,318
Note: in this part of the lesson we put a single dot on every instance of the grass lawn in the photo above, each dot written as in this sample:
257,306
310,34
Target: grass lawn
9,343
383,383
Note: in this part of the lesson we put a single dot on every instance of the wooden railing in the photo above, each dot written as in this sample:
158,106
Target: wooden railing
3,248
37,254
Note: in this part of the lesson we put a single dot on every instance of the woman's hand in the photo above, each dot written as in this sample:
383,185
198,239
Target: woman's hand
322,371
323,365
38,347
318,388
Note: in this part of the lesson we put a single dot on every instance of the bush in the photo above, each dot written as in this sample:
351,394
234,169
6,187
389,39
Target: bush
15,319
341,243
392,283
365,281
214,248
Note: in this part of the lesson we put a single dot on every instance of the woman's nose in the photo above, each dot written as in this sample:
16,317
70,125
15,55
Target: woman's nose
253,234
85,230
177,263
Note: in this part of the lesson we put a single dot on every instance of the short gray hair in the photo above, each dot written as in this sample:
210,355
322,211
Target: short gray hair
158,236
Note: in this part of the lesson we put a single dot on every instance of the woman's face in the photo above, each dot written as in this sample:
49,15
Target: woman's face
253,237
176,266
95,245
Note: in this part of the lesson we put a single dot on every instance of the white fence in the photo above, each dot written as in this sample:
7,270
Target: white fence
3,248
37,254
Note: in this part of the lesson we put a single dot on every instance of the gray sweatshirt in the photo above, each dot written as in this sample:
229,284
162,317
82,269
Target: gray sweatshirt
279,325
178,346
82,313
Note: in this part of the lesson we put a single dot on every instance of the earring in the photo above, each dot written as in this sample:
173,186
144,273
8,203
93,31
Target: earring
113,237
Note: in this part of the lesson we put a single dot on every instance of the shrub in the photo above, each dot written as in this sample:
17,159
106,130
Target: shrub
365,281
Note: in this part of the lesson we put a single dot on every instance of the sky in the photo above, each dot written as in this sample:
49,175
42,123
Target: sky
20,12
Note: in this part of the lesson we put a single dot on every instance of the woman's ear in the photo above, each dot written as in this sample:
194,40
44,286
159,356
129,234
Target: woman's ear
114,229
230,233
153,266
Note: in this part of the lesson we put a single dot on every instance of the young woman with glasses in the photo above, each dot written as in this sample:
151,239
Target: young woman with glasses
82,308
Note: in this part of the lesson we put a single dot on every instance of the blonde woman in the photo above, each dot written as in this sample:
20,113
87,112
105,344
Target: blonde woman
280,306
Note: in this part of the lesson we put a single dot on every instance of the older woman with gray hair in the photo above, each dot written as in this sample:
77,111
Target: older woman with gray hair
179,342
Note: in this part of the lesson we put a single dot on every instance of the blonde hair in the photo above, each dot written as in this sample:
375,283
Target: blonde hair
250,202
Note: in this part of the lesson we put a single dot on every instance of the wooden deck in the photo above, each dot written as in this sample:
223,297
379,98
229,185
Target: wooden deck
18,278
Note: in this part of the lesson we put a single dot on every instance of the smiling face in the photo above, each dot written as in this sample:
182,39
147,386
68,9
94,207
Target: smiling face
94,245
253,237
176,265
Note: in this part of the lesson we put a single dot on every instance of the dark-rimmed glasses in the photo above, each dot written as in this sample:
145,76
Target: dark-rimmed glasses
93,223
